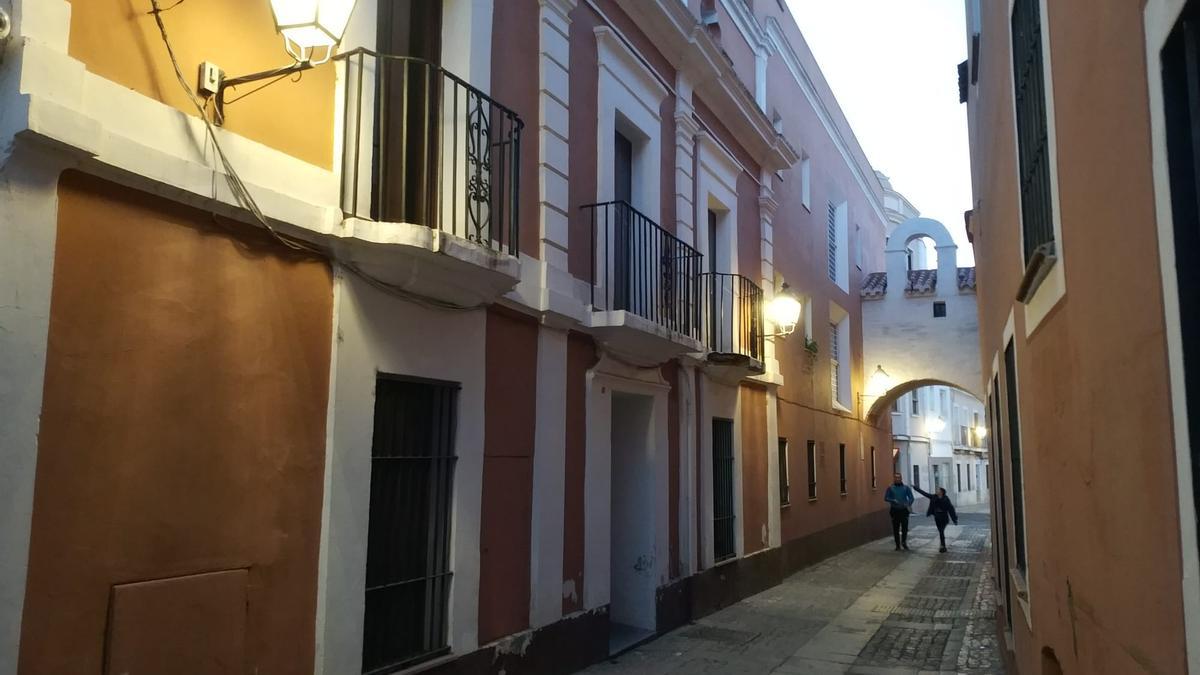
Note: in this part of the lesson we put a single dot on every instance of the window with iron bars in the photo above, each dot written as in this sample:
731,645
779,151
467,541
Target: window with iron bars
834,362
842,466
811,454
833,252
785,496
1033,138
409,524
724,544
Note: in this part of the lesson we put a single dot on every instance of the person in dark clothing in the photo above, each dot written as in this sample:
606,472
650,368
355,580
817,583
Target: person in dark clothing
942,511
900,498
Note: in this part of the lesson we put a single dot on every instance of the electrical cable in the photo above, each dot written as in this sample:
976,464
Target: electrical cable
246,200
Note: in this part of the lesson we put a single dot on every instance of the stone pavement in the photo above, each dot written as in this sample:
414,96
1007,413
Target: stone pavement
868,611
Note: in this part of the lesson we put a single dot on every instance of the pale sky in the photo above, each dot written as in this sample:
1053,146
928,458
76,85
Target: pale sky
893,65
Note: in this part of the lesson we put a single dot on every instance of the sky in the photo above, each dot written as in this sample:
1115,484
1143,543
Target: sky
893,65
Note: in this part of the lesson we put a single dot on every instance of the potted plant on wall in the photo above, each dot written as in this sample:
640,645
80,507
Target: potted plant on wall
811,349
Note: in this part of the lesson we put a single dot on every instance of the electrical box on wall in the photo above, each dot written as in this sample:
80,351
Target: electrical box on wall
209,79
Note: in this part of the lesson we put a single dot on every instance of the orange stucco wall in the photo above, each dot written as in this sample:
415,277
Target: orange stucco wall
119,40
183,424
1101,509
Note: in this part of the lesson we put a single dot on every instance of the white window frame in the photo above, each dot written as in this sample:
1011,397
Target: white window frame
841,359
806,182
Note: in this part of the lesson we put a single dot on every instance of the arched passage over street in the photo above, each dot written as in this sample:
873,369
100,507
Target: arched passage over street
920,327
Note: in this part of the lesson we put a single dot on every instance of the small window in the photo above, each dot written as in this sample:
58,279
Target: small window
832,231
842,467
916,475
896,405
939,310
874,475
785,496
835,374
812,469
1033,141
915,404
858,247
724,542
806,182
958,473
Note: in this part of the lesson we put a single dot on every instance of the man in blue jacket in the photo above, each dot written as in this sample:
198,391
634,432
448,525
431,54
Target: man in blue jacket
900,497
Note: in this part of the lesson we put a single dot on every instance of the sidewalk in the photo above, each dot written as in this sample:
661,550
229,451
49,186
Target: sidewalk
870,610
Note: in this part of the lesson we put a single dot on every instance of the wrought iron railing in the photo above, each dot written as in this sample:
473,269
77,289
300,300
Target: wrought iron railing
423,146
732,317
641,268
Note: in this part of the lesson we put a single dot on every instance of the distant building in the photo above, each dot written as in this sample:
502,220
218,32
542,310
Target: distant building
939,441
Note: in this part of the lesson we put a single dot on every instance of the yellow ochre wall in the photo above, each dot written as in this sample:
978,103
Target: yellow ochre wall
119,40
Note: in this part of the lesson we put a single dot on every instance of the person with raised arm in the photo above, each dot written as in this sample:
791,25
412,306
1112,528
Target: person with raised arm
942,511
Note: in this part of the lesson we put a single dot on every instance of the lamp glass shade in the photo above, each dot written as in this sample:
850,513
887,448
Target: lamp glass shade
981,433
784,312
309,24
935,424
879,383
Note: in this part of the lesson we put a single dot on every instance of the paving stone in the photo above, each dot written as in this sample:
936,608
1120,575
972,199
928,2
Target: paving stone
869,611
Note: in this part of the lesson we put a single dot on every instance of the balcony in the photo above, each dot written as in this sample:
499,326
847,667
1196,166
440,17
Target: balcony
430,178
732,324
644,286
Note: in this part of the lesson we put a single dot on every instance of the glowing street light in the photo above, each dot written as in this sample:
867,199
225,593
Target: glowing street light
311,25
935,424
784,311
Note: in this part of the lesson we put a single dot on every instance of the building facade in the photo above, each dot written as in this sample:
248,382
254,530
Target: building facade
938,437
448,353
1085,232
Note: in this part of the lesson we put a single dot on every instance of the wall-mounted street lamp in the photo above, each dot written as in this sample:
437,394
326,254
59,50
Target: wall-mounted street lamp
935,424
981,433
311,30
784,311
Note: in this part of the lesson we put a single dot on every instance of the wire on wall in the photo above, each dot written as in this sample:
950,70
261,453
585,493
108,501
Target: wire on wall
246,200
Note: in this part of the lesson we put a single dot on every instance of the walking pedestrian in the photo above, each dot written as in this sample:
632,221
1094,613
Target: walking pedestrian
900,498
942,511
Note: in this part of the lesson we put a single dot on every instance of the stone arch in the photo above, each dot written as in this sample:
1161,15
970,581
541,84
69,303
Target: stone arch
882,404
919,227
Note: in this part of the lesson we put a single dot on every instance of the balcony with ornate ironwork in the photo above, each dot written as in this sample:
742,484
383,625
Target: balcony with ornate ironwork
644,285
430,178
732,324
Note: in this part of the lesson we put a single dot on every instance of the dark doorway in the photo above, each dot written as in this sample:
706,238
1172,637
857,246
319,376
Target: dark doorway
407,105
1181,102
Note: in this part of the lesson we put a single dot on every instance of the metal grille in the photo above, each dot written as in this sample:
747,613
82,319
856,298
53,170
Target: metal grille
641,268
811,452
1033,145
874,476
835,367
438,152
785,496
832,224
733,321
842,467
723,511
408,540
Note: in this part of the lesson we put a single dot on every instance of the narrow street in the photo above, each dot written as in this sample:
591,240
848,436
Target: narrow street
869,610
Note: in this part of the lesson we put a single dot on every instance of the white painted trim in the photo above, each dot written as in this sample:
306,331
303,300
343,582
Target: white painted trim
553,137
688,444
376,332
782,45
1160,18
716,180
28,225
549,480
1054,287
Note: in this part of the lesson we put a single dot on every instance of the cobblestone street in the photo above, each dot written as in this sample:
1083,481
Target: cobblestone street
870,610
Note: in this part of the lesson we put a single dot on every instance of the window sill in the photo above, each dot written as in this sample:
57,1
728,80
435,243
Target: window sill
1036,270
1021,586
812,500
785,505
837,405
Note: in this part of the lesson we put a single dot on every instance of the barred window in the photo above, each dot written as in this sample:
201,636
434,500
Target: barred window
1033,141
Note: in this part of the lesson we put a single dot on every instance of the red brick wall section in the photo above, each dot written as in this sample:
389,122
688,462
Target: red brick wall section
182,430
515,49
581,355
510,396
753,404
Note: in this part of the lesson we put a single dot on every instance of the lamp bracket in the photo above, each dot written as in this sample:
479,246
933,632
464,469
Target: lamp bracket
222,83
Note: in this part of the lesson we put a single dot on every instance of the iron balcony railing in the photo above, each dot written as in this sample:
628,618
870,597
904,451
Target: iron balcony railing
641,268
423,146
732,318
